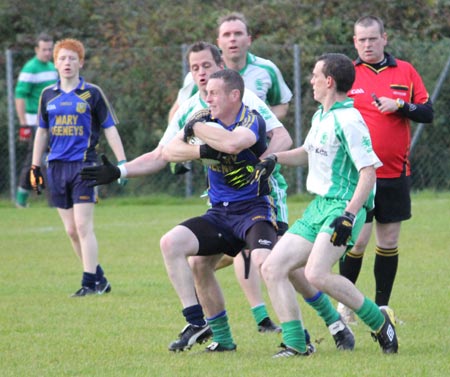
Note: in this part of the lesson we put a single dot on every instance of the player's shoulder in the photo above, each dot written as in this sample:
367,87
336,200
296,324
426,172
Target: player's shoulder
258,60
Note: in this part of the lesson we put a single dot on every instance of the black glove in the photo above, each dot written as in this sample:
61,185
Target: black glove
100,175
199,116
36,179
178,168
343,226
206,152
238,178
262,171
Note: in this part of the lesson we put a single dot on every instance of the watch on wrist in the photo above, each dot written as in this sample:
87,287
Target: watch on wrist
400,103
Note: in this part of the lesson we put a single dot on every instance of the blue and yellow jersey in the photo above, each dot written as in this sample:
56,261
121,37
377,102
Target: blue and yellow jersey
218,190
74,120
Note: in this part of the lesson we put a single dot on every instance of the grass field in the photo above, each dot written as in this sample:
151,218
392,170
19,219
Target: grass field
43,332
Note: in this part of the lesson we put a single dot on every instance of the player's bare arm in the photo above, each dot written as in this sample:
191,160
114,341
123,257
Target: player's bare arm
293,157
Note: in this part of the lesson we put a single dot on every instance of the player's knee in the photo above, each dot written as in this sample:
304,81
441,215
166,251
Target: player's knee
269,271
315,277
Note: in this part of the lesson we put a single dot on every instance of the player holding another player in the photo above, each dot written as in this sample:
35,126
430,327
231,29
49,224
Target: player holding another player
71,115
342,176
236,217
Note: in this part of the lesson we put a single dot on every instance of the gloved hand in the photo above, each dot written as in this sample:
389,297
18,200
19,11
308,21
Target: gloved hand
209,153
200,116
263,169
343,226
239,177
102,174
122,181
36,179
25,133
179,168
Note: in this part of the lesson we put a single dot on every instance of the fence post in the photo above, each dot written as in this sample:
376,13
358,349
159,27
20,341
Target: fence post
11,134
435,94
298,118
188,189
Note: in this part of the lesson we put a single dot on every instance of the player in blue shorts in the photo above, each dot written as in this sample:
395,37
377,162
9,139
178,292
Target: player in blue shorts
342,164
72,113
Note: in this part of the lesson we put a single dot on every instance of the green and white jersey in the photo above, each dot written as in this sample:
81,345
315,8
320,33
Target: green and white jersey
264,79
338,146
33,78
195,103
260,75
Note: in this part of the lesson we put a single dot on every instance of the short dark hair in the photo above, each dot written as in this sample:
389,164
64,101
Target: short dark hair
234,16
44,37
366,21
340,68
200,46
231,78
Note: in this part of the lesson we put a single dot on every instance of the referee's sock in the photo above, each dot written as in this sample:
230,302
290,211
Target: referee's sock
350,266
385,270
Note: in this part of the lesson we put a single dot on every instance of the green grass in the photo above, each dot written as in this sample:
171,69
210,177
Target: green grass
43,332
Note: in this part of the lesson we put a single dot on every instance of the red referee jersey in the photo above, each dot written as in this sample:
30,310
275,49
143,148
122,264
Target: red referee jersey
390,133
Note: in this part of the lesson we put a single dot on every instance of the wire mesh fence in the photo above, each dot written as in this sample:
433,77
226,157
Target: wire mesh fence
142,84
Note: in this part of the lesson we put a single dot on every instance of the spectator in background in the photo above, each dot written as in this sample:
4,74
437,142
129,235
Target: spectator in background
36,74
72,114
389,93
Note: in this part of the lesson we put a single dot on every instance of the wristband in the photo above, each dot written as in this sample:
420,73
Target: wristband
123,171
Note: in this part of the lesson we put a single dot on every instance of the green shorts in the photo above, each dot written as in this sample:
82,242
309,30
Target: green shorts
318,216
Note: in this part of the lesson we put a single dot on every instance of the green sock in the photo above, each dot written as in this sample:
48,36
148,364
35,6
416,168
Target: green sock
22,197
324,308
259,313
294,335
370,314
221,330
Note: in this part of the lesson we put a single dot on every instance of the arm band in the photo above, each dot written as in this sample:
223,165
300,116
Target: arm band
123,171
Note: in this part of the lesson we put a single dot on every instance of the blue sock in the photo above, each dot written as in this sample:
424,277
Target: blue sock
100,275
194,315
88,280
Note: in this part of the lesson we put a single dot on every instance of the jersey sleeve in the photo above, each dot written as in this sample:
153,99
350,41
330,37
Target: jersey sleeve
188,90
253,102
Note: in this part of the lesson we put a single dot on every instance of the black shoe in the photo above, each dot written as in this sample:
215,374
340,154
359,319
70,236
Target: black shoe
342,335
190,335
217,347
101,288
266,325
386,335
289,352
84,291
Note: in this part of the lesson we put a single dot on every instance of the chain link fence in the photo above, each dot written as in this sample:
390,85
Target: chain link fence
142,84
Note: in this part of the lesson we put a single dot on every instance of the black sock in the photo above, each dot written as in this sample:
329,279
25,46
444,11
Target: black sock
385,269
100,275
88,280
350,266
194,315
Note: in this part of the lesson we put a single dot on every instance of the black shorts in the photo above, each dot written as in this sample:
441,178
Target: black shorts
228,229
392,200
